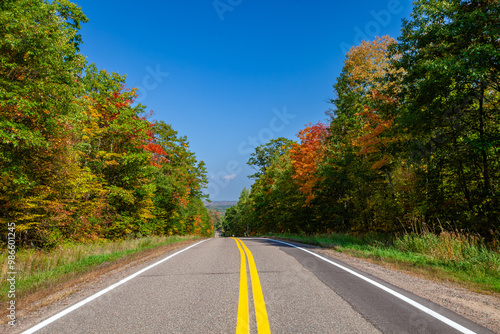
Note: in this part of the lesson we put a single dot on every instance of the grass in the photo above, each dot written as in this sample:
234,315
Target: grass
456,257
41,269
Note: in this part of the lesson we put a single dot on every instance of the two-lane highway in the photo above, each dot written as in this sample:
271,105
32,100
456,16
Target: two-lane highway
253,285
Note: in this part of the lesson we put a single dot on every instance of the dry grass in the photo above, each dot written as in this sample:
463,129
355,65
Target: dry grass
459,257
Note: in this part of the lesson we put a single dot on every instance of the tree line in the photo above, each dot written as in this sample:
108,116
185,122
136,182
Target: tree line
412,141
79,160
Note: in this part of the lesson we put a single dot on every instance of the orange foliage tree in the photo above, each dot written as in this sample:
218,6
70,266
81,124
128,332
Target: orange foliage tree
306,156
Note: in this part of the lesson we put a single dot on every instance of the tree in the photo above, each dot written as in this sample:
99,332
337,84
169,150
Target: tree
179,182
39,78
449,53
236,218
306,157
78,160
264,155
358,188
114,142
276,203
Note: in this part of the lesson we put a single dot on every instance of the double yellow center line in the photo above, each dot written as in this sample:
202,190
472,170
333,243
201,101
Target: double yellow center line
243,325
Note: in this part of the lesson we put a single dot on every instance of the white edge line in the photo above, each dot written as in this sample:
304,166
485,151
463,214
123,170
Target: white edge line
421,307
100,293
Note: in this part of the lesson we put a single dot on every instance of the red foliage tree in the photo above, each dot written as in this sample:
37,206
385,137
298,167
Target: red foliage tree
306,156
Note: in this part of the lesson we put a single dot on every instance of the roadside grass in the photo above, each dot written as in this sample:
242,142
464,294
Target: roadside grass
456,257
37,270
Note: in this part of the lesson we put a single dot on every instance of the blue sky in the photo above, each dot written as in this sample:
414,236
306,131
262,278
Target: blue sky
233,74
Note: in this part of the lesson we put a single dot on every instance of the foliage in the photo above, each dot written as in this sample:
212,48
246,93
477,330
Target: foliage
264,155
306,156
414,137
39,79
449,52
236,218
78,159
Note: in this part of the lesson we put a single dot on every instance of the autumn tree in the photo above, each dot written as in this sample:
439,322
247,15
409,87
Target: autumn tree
413,137
306,157
114,137
358,171
39,78
78,159
276,202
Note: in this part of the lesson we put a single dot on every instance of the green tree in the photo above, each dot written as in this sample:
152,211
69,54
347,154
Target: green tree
450,53
179,181
237,218
266,153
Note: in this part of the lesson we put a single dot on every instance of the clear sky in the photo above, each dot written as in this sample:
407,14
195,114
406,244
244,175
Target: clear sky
233,74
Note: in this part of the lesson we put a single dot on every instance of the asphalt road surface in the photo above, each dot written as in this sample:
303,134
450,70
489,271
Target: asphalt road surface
251,285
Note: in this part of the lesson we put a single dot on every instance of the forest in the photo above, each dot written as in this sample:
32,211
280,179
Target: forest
79,160
411,143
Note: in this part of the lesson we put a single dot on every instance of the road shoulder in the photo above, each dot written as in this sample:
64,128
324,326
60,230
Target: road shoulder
480,308
43,304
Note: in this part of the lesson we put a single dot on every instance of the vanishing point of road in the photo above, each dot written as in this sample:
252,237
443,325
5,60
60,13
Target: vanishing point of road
253,285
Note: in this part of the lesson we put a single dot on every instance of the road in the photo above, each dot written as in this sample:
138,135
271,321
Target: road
229,285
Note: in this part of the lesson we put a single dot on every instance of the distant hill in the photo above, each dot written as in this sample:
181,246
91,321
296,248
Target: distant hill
220,206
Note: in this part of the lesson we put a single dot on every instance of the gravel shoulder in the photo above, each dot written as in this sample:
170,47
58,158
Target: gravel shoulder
480,308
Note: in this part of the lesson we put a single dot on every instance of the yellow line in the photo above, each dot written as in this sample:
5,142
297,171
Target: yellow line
258,297
242,326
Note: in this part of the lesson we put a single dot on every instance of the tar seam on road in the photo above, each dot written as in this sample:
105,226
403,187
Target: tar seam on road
419,306
258,297
100,293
